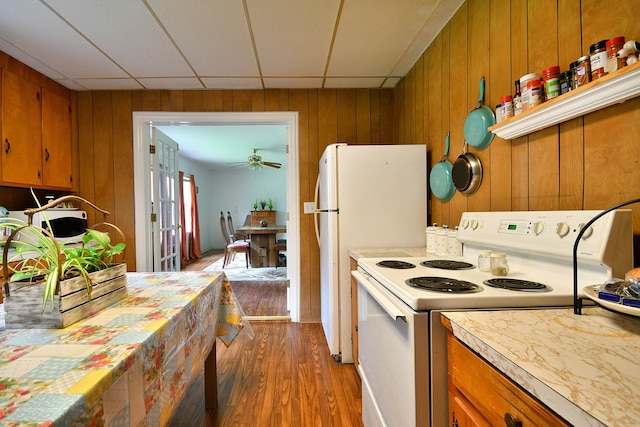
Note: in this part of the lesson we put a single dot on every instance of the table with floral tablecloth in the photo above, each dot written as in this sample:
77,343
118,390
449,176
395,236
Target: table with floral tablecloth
127,365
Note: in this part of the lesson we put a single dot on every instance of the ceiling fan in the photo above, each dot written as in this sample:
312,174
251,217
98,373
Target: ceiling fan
255,162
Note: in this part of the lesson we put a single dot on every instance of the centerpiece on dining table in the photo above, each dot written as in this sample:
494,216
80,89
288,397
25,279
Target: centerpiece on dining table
50,284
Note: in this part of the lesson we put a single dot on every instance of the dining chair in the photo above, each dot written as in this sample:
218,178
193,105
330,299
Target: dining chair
281,246
232,231
232,247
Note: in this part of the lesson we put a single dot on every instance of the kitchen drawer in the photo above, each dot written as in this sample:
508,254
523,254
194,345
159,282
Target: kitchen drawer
474,382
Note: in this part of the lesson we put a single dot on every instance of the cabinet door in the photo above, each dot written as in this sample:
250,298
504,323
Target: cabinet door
56,140
21,131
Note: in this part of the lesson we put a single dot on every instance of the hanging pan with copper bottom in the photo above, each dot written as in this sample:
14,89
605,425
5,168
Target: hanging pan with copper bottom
467,172
440,179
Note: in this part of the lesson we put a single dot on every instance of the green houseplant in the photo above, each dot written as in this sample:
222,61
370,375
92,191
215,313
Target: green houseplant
40,261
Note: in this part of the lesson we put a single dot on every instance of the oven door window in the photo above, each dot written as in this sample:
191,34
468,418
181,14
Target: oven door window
66,227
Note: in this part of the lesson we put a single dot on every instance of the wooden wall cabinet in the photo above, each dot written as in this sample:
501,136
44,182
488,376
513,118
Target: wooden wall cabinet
20,158
479,395
56,140
36,135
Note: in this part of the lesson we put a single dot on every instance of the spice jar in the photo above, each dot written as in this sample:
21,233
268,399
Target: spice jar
498,264
506,107
551,77
582,74
566,82
517,99
524,80
484,260
598,59
613,62
534,93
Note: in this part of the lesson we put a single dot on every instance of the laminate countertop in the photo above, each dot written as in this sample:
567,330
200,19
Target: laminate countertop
585,367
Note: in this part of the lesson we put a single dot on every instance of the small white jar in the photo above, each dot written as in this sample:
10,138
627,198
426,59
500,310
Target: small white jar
484,260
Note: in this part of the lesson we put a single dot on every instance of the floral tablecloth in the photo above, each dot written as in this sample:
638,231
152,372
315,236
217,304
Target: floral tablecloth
128,365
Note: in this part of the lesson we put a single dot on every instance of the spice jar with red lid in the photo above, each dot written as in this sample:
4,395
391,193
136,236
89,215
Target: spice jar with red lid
613,62
551,78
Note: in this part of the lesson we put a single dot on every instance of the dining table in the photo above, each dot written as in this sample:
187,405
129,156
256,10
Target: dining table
262,246
127,365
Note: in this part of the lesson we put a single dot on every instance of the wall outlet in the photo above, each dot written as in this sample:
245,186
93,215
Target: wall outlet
309,207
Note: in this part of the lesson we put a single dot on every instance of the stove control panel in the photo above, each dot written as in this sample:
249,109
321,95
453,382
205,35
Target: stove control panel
551,233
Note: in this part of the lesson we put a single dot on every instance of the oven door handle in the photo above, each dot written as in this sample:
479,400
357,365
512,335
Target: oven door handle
392,310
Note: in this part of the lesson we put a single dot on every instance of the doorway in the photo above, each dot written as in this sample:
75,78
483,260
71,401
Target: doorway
142,124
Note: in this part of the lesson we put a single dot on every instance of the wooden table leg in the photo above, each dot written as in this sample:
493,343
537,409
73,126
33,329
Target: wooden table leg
211,380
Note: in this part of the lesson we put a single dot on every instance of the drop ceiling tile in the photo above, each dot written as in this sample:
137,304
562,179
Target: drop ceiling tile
175,83
31,27
292,82
207,31
353,82
108,84
371,40
232,83
293,37
127,33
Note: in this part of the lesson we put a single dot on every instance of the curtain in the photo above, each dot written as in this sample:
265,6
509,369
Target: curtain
184,256
195,251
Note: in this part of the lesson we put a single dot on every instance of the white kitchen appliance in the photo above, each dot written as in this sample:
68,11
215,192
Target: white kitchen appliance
366,196
402,343
68,224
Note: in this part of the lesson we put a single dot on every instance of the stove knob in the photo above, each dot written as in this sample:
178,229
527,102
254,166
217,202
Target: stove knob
538,228
587,233
474,224
562,229
464,224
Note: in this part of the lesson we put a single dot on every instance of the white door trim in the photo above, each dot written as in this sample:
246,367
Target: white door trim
142,122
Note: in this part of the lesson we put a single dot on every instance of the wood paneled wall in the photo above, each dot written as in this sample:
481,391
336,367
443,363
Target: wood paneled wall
586,163
326,116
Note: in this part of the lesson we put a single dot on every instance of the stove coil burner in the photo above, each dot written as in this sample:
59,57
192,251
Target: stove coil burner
447,264
443,284
398,265
517,285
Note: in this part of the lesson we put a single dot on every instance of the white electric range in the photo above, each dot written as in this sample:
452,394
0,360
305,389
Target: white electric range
402,344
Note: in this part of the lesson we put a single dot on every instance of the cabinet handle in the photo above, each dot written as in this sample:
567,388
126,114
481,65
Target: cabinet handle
46,154
6,151
512,421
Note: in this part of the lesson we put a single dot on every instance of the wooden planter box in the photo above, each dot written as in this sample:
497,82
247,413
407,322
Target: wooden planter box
23,308
257,216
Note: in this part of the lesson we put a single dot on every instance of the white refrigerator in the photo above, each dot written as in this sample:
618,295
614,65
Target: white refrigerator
367,196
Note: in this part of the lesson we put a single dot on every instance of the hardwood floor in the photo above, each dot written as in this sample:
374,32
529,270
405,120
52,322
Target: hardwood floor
283,375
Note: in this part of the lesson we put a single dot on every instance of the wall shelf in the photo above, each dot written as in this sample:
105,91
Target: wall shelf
611,89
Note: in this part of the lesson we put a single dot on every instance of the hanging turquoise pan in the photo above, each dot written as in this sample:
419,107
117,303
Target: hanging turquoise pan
440,179
477,122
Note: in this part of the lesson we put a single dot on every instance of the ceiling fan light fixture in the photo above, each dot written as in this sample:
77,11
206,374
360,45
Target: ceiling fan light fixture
255,166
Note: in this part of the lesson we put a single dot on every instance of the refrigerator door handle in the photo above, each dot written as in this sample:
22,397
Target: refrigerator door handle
316,211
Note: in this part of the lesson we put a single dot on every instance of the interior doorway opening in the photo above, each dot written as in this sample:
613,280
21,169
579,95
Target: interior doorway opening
142,124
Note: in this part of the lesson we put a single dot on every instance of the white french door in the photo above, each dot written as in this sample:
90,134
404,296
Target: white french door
165,196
